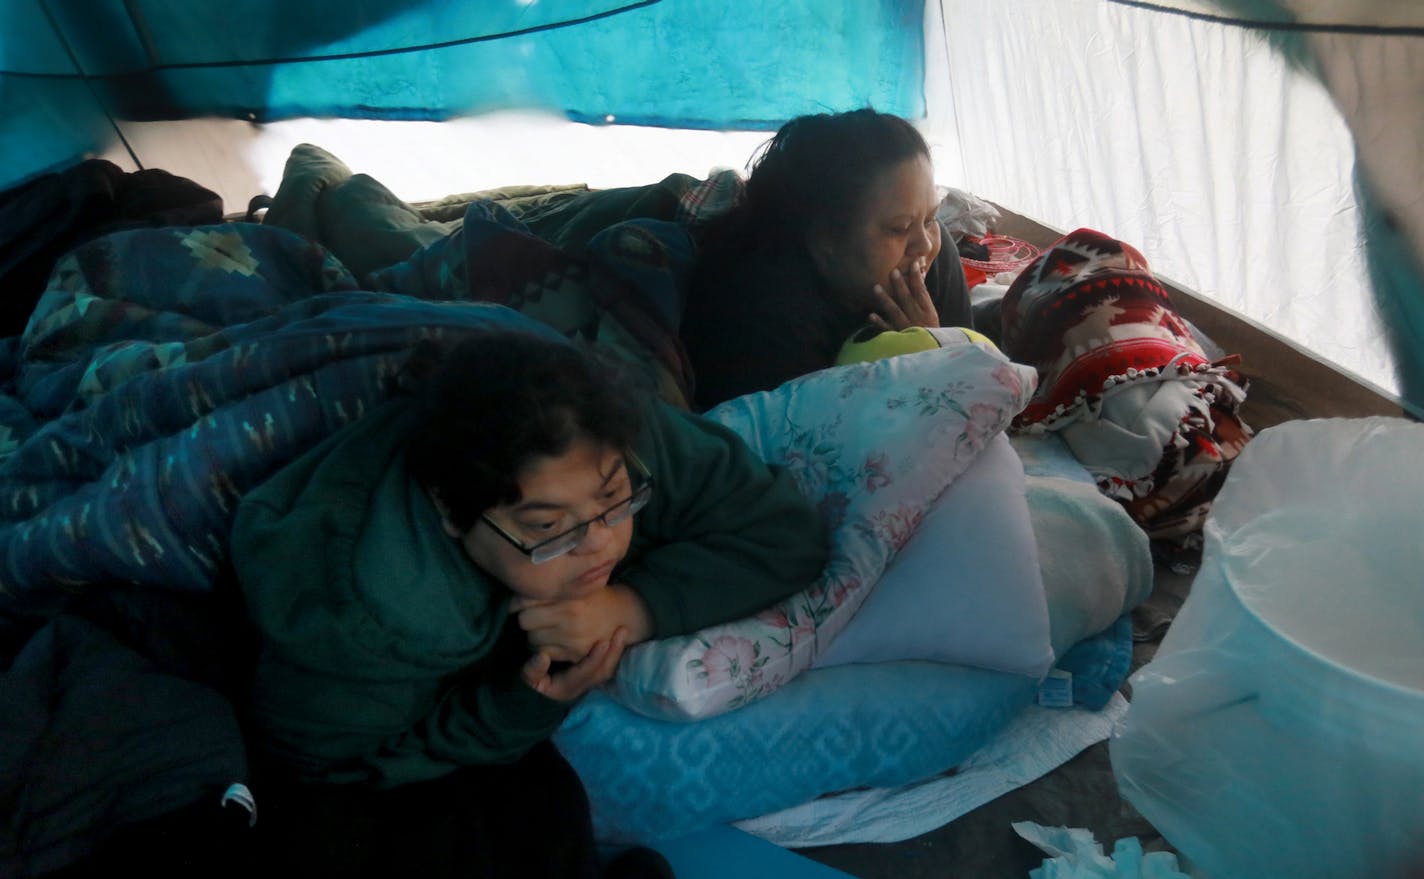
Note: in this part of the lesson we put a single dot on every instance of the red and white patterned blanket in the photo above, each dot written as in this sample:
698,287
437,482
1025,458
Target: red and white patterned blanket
1124,381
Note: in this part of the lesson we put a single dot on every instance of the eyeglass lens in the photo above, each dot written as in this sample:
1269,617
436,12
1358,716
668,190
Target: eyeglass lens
569,540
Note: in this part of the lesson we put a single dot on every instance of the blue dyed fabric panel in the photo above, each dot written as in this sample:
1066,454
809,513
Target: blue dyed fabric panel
673,63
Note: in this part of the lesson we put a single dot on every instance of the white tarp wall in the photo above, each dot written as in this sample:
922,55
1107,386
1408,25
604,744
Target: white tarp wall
1192,139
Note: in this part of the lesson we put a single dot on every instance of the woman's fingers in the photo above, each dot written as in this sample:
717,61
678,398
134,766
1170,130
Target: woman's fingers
519,604
913,296
560,629
536,672
607,666
889,312
928,313
907,302
597,666
555,648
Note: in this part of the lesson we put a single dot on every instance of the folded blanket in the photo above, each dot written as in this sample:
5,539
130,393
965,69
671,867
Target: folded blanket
370,228
625,294
1124,380
358,219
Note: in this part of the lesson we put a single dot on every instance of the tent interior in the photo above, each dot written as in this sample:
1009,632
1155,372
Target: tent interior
1265,157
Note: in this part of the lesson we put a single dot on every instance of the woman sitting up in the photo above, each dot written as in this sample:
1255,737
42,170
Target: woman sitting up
836,231
435,584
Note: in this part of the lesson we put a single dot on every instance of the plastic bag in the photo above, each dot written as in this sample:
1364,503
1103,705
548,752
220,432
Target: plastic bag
1076,854
1277,732
966,214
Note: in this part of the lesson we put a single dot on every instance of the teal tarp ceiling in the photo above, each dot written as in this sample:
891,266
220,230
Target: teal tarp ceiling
67,66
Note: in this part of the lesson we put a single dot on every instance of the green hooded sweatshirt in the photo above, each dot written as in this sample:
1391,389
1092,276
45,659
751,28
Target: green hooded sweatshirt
386,656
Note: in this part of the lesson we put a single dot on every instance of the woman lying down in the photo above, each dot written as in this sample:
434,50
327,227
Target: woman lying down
437,583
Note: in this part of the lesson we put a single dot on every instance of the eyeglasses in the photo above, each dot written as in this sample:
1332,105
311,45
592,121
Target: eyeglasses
567,541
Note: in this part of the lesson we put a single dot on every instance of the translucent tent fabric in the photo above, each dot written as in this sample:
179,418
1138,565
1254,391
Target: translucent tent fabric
1268,158
1369,54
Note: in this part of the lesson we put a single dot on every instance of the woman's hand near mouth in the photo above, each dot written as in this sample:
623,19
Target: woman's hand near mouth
566,685
567,629
907,302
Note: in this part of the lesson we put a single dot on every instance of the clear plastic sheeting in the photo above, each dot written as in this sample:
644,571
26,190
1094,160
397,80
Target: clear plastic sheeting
1280,729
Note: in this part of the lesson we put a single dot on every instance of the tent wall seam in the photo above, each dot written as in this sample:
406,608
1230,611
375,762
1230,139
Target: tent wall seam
1256,24
348,56
88,83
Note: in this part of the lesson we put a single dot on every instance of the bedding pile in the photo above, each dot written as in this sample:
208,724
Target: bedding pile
1124,381
167,370
146,400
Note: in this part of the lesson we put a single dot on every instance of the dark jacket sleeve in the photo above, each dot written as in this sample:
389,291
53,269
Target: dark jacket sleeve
725,535
394,725
488,714
947,287
753,324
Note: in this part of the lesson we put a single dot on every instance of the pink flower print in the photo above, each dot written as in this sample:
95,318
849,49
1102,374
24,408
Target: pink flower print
805,630
775,616
809,463
984,422
898,526
877,473
727,658
1010,378
754,680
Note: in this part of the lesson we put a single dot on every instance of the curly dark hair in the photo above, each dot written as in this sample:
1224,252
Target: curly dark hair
817,171
500,399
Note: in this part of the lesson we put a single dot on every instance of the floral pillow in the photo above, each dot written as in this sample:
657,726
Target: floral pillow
873,444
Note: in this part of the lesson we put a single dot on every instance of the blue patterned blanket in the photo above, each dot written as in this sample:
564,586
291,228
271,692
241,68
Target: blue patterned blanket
166,371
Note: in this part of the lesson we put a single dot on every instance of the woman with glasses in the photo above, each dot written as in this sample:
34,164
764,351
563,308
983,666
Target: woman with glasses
437,583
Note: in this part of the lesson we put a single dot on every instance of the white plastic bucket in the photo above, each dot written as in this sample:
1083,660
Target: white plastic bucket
1279,731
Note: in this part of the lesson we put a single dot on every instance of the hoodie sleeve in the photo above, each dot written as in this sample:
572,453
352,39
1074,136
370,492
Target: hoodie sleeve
725,535
392,729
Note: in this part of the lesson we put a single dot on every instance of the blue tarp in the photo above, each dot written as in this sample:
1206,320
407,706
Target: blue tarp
66,66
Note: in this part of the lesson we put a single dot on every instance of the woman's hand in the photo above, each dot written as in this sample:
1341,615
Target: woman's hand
571,683
907,303
568,629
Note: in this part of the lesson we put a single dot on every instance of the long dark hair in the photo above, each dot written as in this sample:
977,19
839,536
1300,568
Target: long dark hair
815,173
497,401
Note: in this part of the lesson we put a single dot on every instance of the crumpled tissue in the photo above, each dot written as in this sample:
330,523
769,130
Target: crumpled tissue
1076,854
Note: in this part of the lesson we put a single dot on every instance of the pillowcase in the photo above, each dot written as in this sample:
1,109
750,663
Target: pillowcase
967,588
873,445
829,730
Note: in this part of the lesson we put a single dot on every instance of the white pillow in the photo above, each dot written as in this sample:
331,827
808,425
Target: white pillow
967,588
873,444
